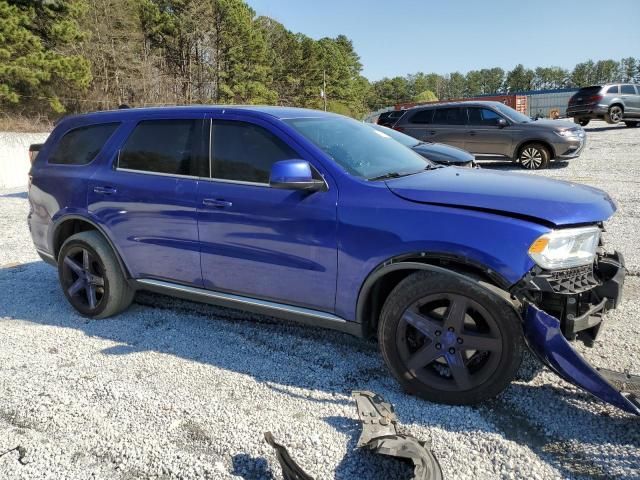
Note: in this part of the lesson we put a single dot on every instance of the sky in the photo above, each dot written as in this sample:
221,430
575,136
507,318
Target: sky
398,37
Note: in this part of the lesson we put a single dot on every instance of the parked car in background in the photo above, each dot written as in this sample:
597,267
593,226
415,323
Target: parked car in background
494,129
387,119
613,102
436,152
319,218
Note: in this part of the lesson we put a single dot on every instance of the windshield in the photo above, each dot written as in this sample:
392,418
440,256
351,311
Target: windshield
512,114
359,149
406,140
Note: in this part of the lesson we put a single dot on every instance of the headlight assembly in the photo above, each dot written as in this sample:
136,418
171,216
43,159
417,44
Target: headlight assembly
571,247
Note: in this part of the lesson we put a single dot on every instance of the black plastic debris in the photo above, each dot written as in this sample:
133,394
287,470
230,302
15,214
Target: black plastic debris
290,469
22,452
379,434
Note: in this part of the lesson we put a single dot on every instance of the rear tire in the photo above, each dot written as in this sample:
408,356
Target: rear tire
91,277
534,156
614,115
582,121
632,124
448,340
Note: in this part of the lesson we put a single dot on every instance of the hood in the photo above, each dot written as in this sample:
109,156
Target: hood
523,195
441,153
557,124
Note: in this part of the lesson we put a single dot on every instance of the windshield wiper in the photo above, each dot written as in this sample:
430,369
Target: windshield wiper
387,175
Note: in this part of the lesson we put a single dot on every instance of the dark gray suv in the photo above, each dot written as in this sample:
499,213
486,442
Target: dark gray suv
613,102
494,129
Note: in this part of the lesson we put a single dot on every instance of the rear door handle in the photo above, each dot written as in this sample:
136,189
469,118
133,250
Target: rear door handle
105,190
217,203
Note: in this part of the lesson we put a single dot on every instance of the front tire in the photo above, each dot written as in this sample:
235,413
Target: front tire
448,340
614,115
91,277
534,156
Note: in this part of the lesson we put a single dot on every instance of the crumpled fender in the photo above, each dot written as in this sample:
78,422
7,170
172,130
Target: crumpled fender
545,338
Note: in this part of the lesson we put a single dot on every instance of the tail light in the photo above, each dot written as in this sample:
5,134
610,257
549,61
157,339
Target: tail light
594,98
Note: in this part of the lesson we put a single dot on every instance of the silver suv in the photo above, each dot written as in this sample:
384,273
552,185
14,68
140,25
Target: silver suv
494,129
614,102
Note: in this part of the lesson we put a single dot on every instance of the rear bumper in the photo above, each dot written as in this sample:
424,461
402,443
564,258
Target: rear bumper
587,111
547,337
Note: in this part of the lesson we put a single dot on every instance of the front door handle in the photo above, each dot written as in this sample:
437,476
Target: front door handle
217,203
105,190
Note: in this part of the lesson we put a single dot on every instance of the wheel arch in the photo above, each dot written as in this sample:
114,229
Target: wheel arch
524,143
383,279
71,224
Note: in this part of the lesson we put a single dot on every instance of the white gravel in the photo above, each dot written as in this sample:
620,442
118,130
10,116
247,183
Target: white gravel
172,389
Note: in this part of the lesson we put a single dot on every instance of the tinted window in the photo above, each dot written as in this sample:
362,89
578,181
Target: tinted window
613,89
245,152
589,90
449,116
164,146
628,89
80,146
422,117
483,116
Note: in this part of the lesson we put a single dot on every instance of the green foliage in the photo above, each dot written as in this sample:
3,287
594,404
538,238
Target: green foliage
426,96
35,58
79,55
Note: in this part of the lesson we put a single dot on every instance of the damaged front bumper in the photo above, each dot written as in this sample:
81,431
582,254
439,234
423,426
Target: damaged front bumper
579,301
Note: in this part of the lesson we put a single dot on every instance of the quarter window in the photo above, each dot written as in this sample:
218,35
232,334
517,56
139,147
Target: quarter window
483,116
613,89
81,145
422,117
165,146
449,116
245,152
628,90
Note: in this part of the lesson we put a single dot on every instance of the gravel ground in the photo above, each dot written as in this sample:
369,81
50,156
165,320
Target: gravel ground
172,389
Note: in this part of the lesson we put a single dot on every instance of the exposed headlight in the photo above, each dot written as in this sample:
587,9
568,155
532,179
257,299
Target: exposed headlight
566,248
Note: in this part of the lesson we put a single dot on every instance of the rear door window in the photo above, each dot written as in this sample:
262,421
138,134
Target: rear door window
244,152
449,116
483,117
81,145
171,147
628,90
422,117
614,89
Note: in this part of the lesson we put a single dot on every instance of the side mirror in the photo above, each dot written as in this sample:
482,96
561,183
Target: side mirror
294,175
502,123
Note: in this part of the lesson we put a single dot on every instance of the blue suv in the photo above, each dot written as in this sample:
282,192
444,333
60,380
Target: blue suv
321,219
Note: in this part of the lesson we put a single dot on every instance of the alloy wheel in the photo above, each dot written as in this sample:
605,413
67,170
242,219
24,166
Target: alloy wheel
615,114
449,341
531,158
83,278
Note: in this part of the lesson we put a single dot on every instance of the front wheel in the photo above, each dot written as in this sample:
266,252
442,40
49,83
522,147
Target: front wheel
534,156
448,340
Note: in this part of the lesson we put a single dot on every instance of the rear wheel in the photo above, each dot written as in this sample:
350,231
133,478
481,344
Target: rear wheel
534,156
632,124
448,340
614,115
581,121
91,277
